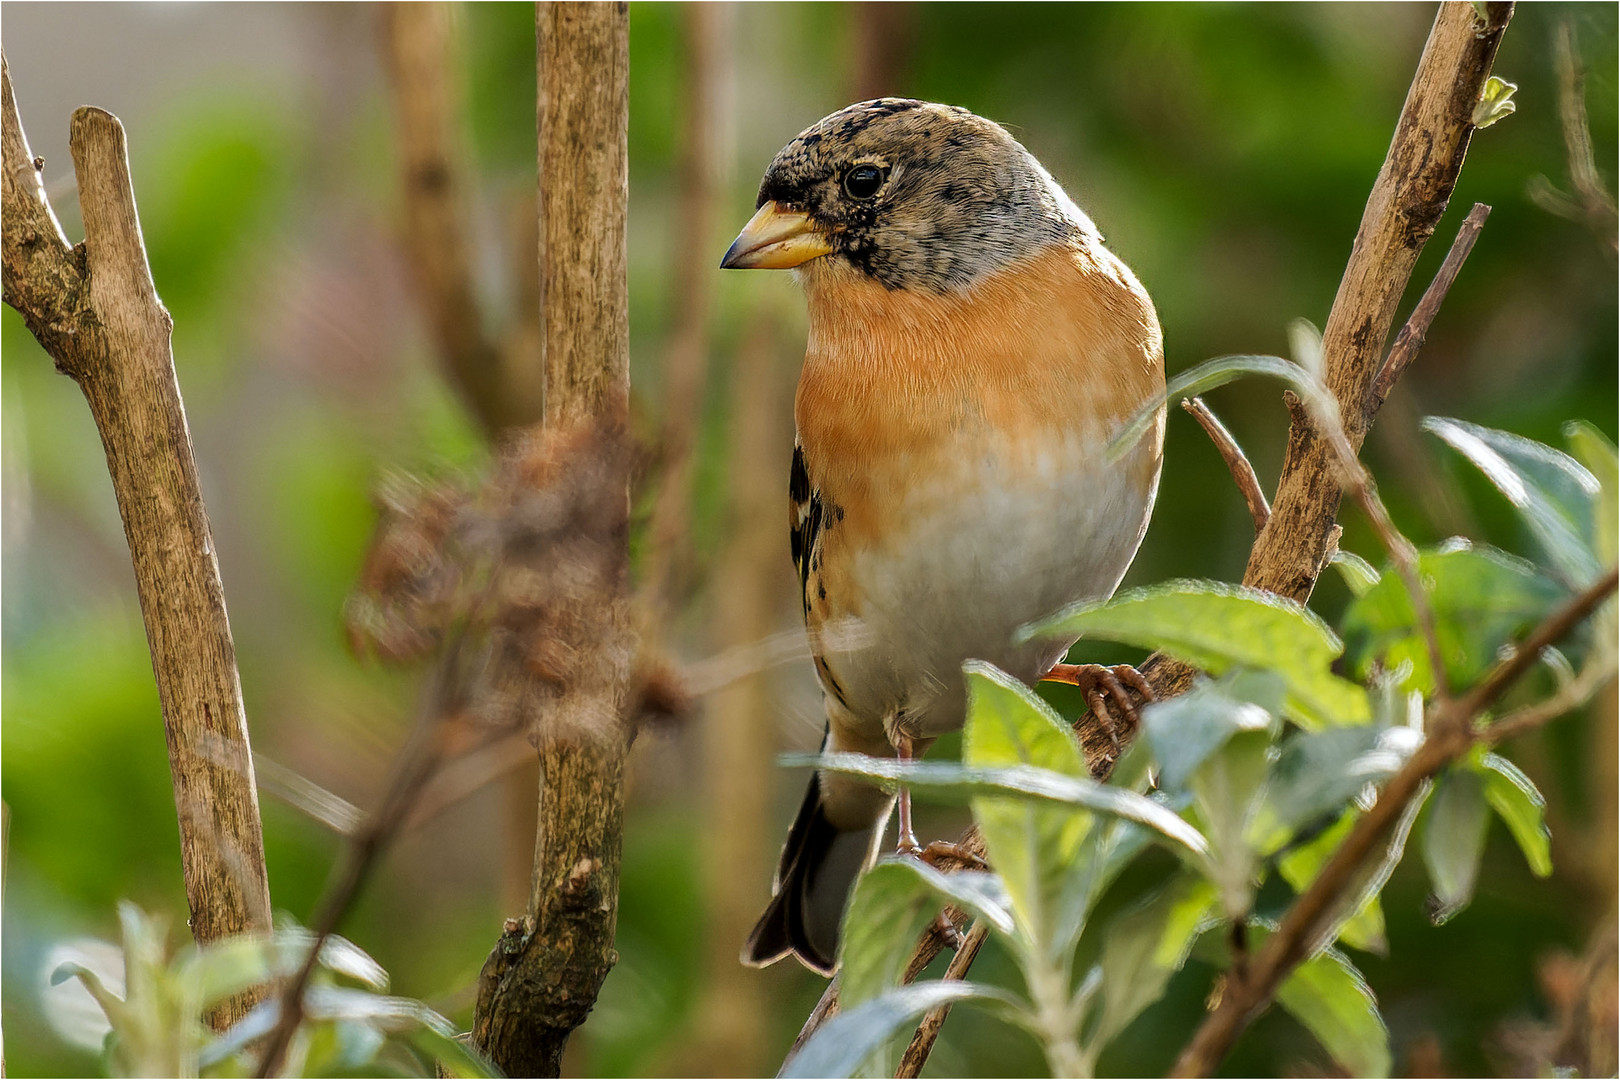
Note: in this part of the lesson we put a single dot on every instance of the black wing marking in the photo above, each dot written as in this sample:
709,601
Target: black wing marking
804,523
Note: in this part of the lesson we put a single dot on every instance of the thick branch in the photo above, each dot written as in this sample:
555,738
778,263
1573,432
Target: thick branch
1450,734
419,52
1413,187
542,979
95,310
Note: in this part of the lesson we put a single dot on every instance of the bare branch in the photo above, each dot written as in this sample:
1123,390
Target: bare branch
1413,334
542,978
95,310
922,1043
1248,484
419,51
686,360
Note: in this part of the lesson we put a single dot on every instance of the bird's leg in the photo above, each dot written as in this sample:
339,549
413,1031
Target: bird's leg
908,840
1099,683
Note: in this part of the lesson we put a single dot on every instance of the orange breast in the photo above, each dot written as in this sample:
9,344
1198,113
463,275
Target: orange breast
901,385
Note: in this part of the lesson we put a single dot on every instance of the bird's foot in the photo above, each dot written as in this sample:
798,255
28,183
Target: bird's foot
1100,683
947,931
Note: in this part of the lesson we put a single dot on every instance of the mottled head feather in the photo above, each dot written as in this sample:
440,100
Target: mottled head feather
960,197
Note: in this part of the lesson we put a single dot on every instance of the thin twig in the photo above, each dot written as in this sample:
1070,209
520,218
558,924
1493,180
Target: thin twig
1450,734
416,764
1248,484
1414,333
922,1043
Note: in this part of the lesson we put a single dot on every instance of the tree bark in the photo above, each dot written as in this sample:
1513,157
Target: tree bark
96,312
543,976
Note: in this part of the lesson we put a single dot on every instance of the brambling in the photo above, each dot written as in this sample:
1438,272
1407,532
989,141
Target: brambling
973,346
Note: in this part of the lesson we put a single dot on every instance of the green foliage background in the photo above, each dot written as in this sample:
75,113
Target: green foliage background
1225,151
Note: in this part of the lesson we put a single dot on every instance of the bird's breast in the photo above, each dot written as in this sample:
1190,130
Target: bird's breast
958,440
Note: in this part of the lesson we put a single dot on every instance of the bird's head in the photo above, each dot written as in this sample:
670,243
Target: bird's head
915,195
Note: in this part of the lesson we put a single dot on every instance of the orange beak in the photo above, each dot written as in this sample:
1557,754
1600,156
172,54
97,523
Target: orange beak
776,239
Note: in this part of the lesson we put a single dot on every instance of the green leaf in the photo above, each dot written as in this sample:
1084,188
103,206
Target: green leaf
1454,840
1219,372
1226,790
845,1042
1185,730
1521,808
1033,846
1365,928
1218,627
1482,599
1022,782
1359,574
1553,493
1495,102
1317,773
1597,453
1330,998
456,1056
1143,947
891,905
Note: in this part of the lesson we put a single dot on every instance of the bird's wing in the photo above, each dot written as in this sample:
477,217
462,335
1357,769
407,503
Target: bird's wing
804,522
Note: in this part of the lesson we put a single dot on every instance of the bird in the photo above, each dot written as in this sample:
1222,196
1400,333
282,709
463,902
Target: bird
973,345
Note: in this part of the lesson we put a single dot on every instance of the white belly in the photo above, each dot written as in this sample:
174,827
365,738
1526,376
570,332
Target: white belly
1009,546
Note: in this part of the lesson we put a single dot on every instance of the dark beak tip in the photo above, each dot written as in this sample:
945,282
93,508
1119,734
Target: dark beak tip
728,261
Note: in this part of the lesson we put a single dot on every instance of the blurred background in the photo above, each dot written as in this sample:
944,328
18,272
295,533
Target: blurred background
1225,151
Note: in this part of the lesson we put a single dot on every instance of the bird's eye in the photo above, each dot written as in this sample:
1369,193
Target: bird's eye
863,181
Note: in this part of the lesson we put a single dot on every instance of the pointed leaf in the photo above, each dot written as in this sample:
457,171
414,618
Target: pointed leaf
1481,598
1363,930
1218,627
848,1039
1185,730
1454,840
1319,772
1144,946
1226,790
891,905
1521,808
1597,453
1553,493
1359,574
1022,782
1032,846
1330,998
1219,372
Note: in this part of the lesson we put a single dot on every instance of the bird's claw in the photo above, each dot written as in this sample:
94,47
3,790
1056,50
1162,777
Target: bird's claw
1099,683
944,855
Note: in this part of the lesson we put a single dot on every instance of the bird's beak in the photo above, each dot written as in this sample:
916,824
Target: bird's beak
776,239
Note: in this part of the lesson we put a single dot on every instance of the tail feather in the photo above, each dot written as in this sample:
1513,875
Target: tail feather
819,865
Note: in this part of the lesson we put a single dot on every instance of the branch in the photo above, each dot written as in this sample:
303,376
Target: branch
687,356
542,978
1248,484
1414,333
1450,735
1407,200
922,1043
95,310
419,53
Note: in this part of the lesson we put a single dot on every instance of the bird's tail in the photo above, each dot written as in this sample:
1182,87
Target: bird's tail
819,864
